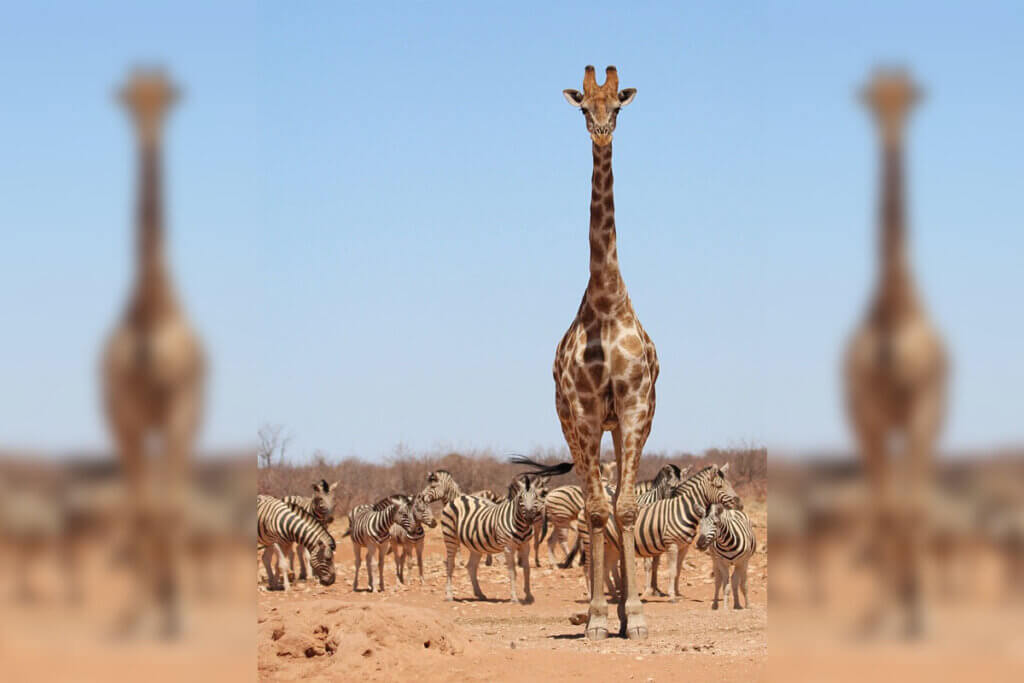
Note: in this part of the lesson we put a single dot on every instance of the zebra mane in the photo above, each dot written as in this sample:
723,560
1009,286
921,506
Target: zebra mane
434,476
301,512
664,473
695,479
387,501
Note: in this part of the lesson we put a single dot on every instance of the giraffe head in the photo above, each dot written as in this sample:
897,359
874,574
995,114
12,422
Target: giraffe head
890,95
148,95
600,104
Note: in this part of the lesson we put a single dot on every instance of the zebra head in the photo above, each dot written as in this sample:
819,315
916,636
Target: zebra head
403,512
708,486
725,494
707,530
439,486
322,560
322,501
421,512
528,494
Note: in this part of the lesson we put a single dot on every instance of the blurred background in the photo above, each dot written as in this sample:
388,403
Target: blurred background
376,224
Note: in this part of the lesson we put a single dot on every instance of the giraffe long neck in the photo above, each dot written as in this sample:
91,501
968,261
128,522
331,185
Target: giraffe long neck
152,288
895,294
604,255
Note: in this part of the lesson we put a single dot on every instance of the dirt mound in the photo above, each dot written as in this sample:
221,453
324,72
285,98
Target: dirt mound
334,637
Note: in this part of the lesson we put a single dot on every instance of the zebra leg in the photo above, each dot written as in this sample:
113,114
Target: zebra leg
397,551
281,564
739,582
510,561
472,564
552,540
356,550
450,549
720,573
652,565
524,562
487,561
268,553
419,558
538,530
307,566
380,567
680,555
369,564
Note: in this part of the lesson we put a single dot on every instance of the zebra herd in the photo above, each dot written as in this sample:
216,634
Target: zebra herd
675,508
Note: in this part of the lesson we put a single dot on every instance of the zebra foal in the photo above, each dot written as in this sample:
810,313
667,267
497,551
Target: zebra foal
729,538
370,528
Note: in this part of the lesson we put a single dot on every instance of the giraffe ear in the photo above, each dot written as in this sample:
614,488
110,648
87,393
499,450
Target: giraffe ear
626,96
573,97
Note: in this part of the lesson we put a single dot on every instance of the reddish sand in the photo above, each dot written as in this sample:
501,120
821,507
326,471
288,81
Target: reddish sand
411,632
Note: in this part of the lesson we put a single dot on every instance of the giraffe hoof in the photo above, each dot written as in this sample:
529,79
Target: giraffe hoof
636,632
597,633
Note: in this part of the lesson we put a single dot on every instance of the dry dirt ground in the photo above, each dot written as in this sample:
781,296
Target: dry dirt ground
333,633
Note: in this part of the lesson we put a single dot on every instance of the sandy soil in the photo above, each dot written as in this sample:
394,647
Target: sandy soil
332,633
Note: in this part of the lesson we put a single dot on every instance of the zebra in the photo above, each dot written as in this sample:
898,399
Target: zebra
661,486
540,525
486,528
277,525
669,521
402,542
370,527
441,485
729,538
321,506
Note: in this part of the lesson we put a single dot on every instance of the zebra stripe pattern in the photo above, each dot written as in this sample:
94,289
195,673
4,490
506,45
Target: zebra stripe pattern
673,520
370,528
441,486
321,506
487,528
402,541
728,537
277,525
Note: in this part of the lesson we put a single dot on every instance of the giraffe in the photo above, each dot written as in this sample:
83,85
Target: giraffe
896,369
153,372
605,368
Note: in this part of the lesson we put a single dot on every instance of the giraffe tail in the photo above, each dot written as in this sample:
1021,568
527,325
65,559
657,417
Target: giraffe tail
541,469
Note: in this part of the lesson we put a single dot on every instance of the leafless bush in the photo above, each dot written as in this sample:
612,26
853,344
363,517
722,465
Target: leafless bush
405,472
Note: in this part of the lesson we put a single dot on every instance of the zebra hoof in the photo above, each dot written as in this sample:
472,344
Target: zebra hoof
528,600
714,605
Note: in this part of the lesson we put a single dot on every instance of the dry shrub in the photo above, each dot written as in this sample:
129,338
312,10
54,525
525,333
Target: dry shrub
406,472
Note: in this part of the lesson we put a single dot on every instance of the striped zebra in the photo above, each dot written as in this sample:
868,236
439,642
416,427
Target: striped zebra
403,542
673,520
486,528
277,524
321,506
661,486
729,538
441,485
540,525
370,528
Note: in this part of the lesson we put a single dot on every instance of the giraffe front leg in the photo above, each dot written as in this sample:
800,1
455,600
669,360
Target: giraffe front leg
633,624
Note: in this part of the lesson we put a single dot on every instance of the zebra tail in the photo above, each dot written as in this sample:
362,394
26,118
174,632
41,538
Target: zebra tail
565,564
538,468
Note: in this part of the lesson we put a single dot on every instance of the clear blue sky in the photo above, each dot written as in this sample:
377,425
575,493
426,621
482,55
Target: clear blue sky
378,215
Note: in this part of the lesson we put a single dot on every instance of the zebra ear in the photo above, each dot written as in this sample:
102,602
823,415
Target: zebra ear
334,486
723,469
